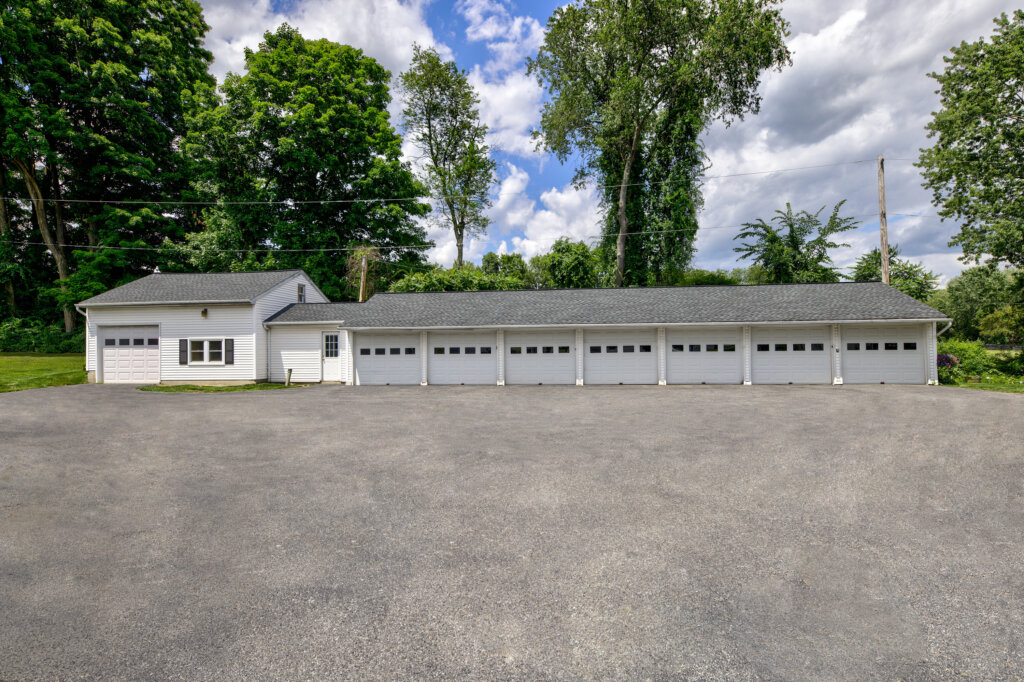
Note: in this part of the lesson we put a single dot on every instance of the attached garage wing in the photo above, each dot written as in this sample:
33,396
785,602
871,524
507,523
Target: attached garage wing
711,355
791,355
130,355
387,359
463,358
891,354
540,357
620,357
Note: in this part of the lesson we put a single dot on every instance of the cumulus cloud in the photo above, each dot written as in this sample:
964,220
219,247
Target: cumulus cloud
384,29
858,87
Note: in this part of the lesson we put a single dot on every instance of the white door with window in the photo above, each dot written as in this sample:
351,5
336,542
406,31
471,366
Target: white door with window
462,358
791,355
709,355
620,357
891,354
330,356
130,355
382,359
540,357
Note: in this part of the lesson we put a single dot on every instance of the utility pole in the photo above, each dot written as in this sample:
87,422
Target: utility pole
882,225
362,280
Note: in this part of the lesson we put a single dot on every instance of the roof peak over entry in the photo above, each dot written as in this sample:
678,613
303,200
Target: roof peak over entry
716,304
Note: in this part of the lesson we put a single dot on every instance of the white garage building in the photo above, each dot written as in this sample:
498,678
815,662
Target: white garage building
234,327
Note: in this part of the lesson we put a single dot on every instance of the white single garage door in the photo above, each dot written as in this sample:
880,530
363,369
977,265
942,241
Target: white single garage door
387,359
540,357
791,355
712,355
891,354
130,355
620,357
462,358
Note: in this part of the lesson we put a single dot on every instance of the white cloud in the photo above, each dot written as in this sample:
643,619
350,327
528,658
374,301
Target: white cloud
384,29
510,107
509,38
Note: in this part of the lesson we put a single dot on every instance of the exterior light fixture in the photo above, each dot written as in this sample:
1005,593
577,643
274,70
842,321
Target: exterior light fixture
203,313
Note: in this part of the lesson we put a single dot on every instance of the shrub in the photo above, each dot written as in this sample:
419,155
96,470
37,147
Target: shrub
949,368
973,359
20,335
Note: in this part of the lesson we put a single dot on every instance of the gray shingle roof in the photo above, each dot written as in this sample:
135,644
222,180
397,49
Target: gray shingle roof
656,305
218,287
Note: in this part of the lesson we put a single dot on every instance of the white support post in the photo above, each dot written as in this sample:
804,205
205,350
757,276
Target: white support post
350,358
501,357
932,358
424,342
837,356
579,357
662,364
747,374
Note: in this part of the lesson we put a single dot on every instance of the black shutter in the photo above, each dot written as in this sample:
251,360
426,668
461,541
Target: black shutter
229,351
182,351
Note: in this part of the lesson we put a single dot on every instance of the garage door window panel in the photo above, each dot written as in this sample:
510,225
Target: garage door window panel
485,350
892,346
799,346
470,350
395,351
729,348
910,346
817,346
109,342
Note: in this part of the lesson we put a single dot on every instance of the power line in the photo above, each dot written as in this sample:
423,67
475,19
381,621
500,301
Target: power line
392,200
339,249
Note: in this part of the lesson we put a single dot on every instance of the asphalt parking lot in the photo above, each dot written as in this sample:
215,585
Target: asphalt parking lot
520,533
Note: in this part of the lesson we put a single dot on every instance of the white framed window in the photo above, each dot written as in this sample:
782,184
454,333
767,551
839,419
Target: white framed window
302,293
206,351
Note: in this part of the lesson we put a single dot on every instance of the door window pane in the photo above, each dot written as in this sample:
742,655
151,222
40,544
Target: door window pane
395,351
153,342
645,349
780,347
761,347
694,347
595,349
677,348
109,342
138,342
870,346
892,346
379,351
910,345
330,345
516,350
438,350
817,346
410,351
123,342
611,349
531,350
485,350
454,350
853,346
628,349
364,351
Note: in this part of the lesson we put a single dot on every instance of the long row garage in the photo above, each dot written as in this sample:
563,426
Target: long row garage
691,355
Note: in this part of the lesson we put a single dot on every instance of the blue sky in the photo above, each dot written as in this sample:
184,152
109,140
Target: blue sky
857,88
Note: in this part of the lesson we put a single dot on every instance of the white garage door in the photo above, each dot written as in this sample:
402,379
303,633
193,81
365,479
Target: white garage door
387,359
540,358
791,355
893,354
713,355
620,357
130,355
462,358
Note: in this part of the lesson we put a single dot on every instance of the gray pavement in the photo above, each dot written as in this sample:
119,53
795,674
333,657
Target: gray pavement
787,532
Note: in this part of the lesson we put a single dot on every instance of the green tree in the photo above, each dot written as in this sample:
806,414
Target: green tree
973,294
698,277
1005,326
91,108
795,248
465,278
613,69
571,265
305,133
507,264
975,168
909,277
442,117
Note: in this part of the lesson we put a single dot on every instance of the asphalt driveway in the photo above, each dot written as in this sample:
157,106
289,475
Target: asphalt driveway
519,533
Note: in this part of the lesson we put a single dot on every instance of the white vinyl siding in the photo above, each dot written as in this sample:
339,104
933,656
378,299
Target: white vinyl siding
183,322
905,364
272,302
300,349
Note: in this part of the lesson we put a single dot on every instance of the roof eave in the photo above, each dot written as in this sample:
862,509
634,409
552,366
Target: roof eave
86,304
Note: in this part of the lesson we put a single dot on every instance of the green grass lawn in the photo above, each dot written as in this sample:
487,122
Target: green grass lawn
19,371
192,388
1002,388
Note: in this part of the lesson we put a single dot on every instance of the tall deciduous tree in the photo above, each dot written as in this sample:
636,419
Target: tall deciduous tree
795,248
305,133
971,295
613,69
975,168
442,117
909,277
91,108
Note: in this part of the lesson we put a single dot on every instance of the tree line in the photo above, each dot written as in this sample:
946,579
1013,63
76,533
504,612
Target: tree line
121,153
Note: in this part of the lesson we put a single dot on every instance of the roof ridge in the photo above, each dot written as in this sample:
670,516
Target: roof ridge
629,288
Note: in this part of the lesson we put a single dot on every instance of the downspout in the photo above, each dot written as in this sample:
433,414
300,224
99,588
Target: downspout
267,353
944,329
